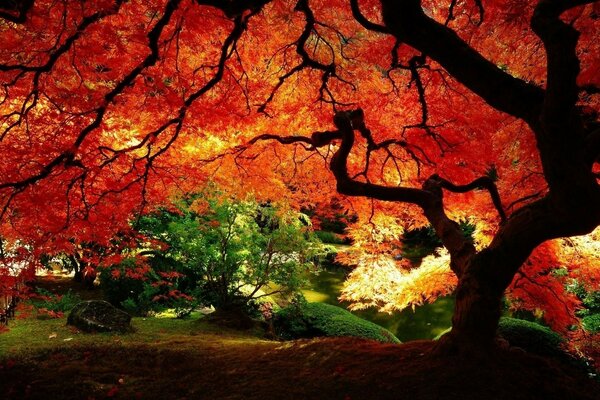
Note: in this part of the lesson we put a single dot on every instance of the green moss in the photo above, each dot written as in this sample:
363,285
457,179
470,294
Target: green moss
591,323
531,336
318,319
442,333
528,335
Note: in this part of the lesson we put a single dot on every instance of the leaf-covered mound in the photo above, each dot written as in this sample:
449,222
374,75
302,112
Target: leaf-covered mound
531,337
311,320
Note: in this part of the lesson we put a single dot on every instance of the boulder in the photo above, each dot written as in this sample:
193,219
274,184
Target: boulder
99,316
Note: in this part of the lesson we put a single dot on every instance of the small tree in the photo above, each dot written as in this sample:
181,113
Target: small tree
230,253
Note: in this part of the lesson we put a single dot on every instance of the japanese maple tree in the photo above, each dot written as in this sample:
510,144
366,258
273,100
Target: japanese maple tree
441,110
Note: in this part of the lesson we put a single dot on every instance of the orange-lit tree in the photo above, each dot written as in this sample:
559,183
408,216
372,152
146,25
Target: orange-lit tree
441,110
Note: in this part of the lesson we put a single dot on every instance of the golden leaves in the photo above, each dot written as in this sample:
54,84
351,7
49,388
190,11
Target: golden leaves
380,281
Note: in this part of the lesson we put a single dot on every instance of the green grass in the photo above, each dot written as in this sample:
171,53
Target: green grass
31,335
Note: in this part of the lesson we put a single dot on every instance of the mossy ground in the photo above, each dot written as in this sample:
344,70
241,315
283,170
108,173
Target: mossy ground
193,359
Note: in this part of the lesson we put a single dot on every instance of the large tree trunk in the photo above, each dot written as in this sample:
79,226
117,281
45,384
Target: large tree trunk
477,307
476,314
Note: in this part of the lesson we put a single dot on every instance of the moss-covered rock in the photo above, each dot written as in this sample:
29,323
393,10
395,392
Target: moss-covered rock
310,320
99,316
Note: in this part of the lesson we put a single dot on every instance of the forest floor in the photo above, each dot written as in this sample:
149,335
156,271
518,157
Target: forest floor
194,359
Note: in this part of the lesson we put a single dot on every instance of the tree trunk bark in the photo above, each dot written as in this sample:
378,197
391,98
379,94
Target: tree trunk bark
477,309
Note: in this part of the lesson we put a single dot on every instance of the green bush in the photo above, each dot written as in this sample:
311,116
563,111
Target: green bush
531,337
56,303
592,301
307,320
227,255
130,306
329,237
117,286
591,323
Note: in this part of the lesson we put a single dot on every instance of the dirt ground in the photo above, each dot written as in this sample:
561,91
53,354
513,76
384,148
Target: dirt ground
334,368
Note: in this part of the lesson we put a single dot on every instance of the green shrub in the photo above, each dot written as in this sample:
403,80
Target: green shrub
307,320
329,237
592,301
531,337
421,242
130,306
117,286
591,323
56,303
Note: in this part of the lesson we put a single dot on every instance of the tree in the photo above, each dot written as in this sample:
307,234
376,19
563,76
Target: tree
230,253
441,110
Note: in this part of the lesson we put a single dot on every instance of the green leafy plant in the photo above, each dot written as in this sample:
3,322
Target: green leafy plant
52,305
214,251
591,323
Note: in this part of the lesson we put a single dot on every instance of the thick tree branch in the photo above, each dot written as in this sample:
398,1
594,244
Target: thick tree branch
560,131
15,10
483,182
361,19
407,21
346,122
234,8
592,147
560,41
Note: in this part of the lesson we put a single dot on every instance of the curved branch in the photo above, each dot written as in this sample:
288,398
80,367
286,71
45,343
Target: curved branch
346,122
361,19
407,21
483,182
32,98
561,131
429,198
20,7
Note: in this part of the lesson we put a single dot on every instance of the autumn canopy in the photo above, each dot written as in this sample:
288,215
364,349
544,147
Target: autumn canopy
409,112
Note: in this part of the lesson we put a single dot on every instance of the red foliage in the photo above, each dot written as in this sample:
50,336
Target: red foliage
111,107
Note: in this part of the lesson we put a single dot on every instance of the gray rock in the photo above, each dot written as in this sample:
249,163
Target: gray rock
99,316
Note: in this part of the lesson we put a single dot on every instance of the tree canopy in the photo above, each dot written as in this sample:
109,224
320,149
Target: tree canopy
415,112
